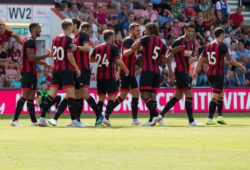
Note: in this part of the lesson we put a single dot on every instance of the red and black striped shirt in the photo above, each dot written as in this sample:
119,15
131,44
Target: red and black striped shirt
28,66
82,58
183,56
215,53
105,54
153,51
60,47
130,60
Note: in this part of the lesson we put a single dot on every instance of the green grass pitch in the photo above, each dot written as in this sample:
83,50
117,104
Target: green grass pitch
175,146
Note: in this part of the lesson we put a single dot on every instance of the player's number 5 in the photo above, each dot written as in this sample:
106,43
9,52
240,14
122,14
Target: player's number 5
155,55
58,52
211,58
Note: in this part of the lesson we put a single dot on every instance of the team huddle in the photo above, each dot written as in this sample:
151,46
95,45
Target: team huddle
71,72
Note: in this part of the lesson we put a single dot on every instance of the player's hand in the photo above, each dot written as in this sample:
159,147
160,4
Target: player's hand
243,68
176,49
127,72
78,72
171,76
48,53
73,46
117,76
194,76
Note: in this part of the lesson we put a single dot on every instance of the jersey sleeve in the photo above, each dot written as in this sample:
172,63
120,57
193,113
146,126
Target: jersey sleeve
93,54
115,52
128,43
204,52
30,44
174,44
67,45
223,49
164,49
144,41
84,38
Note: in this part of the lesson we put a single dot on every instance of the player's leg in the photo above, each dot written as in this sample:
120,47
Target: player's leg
153,97
78,103
134,106
101,92
19,106
31,107
60,109
219,108
57,101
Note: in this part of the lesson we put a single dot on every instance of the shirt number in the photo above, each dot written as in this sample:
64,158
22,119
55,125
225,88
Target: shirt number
58,52
155,55
104,61
211,58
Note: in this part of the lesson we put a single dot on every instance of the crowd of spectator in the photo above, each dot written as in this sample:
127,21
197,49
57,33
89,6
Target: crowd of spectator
170,15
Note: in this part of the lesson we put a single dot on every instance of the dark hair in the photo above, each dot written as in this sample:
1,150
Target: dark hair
218,31
189,25
33,25
133,26
107,34
85,25
66,23
232,42
76,21
43,82
152,28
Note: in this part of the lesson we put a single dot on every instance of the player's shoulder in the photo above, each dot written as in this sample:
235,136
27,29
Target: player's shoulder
28,41
178,40
128,38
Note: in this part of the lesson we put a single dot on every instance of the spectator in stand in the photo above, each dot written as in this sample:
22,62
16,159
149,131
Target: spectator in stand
86,12
91,21
236,18
240,75
16,82
223,6
131,17
11,73
114,24
101,16
40,78
241,51
176,29
202,76
247,73
165,16
166,29
199,28
4,50
179,11
149,13
232,49
123,20
15,53
117,4
65,9
2,75
219,18
48,75
6,33
74,11
141,21
118,40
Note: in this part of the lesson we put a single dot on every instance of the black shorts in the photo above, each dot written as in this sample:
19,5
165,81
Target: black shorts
107,86
183,81
128,82
217,83
84,80
29,81
149,81
63,79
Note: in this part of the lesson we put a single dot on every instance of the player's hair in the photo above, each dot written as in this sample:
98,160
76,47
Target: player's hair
107,34
66,23
189,25
218,31
85,25
33,25
152,28
76,21
133,26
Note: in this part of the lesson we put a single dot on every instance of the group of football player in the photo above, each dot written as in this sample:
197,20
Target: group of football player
71,72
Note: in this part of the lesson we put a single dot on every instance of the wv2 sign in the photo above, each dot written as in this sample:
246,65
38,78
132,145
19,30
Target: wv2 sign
19,13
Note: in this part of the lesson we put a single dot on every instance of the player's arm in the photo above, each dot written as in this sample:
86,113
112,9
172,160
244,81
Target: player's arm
122,65
135,47
84,48
72,61
197,68
93,58
33,57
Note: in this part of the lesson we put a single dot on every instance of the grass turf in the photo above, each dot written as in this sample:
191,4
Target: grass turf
174,146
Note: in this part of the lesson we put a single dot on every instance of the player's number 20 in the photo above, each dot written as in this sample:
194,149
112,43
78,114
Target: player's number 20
58,52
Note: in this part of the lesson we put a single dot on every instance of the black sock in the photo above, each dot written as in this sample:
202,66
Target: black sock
57,100
62,106
189,109
220,106
47,103
31,109
19,108
100,106
212,107
109,109
151,114
72,108
169,105
79,106
151,106
134,107
93,105
118,101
